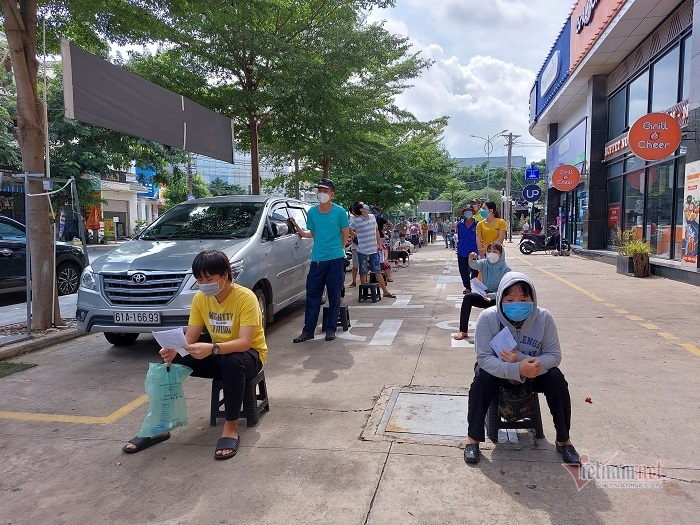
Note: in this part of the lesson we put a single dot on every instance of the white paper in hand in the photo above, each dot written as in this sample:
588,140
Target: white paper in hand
174,339
503,341
478,287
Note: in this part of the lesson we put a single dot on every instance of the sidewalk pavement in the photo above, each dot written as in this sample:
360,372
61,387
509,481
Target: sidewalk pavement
369,428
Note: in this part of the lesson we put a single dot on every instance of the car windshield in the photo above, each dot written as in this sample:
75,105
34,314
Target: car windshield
218,220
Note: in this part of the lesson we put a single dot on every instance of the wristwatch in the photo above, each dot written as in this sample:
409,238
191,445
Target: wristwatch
215,349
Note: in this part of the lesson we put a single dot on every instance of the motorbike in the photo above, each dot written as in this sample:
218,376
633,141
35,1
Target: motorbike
539,242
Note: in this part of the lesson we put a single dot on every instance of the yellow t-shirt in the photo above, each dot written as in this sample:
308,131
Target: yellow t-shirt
223,321
488,233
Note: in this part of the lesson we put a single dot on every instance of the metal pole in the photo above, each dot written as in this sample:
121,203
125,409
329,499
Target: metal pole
509,169
489,148
296,174
28,262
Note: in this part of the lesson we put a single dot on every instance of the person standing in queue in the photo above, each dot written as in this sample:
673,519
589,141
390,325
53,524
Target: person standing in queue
466,244
491,229
328,227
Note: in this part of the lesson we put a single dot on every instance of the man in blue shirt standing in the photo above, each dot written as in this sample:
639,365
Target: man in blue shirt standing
328,227
466,235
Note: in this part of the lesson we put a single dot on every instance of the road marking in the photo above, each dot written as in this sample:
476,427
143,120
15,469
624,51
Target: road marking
85,420
691,348
440,286
666,335
386,333
352,337
462,343
621,311
649,326
634,318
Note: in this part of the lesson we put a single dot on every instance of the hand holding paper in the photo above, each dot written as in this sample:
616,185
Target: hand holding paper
174,339
503,341
478,287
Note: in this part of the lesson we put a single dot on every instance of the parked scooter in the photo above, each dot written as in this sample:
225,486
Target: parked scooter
539,242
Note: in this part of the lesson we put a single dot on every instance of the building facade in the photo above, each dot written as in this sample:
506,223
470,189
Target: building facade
614,62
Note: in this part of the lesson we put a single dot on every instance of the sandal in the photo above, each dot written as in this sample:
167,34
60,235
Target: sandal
144,442
227,443
460,336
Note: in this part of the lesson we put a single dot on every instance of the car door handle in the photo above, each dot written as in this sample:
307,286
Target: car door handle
6,252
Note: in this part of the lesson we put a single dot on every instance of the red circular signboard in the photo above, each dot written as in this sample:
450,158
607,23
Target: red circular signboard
655,136
566,177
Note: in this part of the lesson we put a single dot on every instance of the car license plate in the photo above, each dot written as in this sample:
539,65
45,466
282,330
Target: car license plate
137,317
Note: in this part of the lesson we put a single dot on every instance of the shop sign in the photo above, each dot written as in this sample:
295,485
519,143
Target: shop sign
550,73
585,18
654,136
109,227
691,216
566,177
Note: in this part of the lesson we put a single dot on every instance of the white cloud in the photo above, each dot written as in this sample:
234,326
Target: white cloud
487,54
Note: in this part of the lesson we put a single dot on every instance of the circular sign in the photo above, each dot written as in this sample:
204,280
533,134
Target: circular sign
654,136
532,193
566,177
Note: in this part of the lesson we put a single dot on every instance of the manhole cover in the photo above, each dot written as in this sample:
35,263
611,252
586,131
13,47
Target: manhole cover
427,415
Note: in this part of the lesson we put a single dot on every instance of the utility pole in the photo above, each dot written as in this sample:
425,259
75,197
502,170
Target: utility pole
509,169
189,175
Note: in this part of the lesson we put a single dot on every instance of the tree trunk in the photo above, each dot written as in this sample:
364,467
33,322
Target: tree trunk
254,154
20,28
642,267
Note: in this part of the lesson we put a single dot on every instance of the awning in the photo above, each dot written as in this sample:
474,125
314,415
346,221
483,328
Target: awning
435,207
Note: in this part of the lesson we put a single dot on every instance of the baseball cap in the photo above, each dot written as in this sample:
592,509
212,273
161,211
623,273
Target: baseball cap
326,183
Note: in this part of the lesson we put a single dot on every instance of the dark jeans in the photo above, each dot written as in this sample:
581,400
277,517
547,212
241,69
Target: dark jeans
466,272
552,384
470,300
403,255
233,369
331,276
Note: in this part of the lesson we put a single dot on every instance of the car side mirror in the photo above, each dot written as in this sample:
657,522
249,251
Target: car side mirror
279,228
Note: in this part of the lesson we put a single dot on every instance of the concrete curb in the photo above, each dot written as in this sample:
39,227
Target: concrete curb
38,343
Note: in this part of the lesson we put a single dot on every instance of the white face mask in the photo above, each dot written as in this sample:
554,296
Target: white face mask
210,289
492,257
323,198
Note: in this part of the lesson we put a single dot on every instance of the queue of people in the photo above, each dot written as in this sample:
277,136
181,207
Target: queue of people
238,350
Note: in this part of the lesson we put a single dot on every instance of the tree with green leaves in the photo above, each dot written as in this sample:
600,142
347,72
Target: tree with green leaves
220,187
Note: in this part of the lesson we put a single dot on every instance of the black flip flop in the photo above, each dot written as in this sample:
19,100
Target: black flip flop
144,442
227,443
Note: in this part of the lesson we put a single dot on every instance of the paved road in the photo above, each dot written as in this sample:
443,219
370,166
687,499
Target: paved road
336,446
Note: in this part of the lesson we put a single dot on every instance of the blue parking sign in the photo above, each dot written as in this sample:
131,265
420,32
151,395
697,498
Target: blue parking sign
532,173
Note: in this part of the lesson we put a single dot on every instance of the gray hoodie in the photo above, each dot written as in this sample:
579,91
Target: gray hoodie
537,337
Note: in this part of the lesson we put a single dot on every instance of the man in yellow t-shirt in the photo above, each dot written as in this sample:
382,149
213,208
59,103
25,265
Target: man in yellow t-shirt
238,350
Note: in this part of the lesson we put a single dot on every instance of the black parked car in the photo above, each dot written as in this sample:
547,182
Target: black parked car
70,260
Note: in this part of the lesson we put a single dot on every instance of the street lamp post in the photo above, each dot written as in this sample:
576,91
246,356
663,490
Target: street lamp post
488,148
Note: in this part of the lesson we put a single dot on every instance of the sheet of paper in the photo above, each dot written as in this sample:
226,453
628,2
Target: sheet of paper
174,339
503,341
478,287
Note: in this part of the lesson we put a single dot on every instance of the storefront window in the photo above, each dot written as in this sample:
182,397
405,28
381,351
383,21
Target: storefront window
678,230
638,98
664,89
660,181
634,203
614,209
686,68
616,114
634,163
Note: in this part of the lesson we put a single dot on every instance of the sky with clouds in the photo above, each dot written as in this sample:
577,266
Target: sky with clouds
486,55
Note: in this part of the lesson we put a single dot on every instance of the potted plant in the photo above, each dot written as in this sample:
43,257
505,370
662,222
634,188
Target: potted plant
633,254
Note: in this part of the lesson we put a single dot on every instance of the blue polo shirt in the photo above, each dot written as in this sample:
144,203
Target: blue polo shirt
467,239
328,235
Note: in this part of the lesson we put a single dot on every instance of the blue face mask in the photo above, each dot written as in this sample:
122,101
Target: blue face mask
395,236
366,207
484,213
517,311
468,215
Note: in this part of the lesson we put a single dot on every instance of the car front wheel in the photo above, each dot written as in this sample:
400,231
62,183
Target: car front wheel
262,302
118,339
67,278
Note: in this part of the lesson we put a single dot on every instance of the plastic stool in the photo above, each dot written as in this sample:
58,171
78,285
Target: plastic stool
495,421
343,317
370,291
254,400
373,277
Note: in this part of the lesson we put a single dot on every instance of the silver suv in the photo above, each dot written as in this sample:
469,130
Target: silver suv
147,282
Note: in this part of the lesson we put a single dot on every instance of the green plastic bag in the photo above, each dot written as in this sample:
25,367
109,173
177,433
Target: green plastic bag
166,399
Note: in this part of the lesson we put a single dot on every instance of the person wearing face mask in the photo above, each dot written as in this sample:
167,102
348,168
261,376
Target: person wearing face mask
491,229
329,228
492,269
535,358
466,244
238,350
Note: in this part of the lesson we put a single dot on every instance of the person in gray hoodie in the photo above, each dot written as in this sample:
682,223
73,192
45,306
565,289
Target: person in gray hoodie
492,270
535,358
